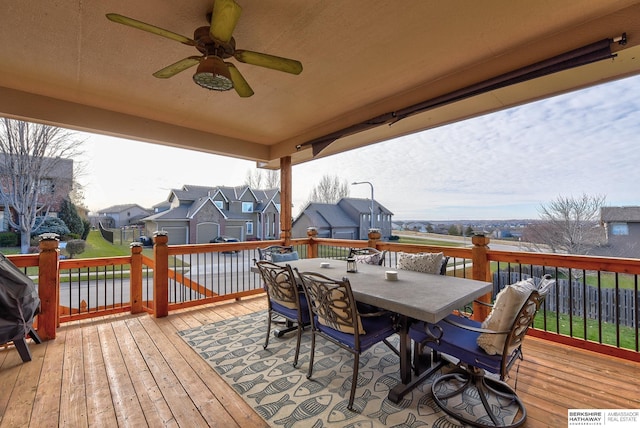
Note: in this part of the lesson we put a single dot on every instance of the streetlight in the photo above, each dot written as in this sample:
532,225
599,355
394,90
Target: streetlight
369,183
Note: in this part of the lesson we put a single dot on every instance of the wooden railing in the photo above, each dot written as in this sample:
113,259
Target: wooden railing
594,305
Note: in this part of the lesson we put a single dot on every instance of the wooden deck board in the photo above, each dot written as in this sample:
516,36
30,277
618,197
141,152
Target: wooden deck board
135,370
23,391
73,396
154,406
129,412
46,405
99,404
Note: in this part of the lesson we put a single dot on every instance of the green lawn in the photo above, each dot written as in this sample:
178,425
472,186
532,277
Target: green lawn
627,334
97,246
423,241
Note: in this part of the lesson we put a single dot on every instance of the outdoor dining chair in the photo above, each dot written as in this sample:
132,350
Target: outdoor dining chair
492,346
277,253
286,300
335,317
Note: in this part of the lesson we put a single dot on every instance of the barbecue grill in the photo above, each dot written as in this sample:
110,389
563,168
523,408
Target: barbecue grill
19,304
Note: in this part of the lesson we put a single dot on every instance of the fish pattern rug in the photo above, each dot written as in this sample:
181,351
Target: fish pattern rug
284,397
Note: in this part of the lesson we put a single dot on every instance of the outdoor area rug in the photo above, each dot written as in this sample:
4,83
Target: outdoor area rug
284,397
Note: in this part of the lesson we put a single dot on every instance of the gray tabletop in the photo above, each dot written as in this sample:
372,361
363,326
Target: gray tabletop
417,295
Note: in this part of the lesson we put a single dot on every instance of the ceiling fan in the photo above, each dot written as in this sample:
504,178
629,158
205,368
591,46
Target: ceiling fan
215,43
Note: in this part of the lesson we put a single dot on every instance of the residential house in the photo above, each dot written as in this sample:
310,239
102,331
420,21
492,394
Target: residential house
350,218
118,216
622,231
161,206
199,214
54,188
415,226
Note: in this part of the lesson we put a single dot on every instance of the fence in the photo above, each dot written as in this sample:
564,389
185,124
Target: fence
575,297
594,303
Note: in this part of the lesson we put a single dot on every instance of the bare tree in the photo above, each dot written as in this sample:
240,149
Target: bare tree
329,190
568,225
263,179
34,172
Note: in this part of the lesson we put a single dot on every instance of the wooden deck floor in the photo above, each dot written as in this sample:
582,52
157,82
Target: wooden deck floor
133,370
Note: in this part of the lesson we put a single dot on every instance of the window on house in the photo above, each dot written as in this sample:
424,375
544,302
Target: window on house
619,229
249,228
247,207
219,204
46,187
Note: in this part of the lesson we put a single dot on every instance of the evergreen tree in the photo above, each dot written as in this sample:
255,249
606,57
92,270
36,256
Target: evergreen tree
51,225
69,214
87,228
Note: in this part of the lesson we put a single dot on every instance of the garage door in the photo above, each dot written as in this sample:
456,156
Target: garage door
177,235
205,232
234,232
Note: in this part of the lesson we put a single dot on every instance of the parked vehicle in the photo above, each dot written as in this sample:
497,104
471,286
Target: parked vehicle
223,239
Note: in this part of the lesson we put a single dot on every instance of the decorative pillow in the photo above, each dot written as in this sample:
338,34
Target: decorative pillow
369,259
284,257
508,303
421,262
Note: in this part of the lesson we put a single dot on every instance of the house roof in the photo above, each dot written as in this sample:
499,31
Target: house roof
201,202
177,213
364,205
622,214
120,208
64,63
193,198
325,215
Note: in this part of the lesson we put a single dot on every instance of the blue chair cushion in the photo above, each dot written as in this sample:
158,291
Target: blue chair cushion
377,328
284,257
293,313
459,343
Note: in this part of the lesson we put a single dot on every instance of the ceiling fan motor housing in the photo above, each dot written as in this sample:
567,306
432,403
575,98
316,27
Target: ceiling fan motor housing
209,46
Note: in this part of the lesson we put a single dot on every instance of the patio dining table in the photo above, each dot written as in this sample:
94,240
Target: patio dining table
413,296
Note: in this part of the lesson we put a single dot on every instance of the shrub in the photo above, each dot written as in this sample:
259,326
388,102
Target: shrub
9,239
75,246
51,225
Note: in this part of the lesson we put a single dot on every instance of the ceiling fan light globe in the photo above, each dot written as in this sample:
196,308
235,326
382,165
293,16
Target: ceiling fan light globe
213,74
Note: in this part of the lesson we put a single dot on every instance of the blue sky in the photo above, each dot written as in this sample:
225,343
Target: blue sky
500,166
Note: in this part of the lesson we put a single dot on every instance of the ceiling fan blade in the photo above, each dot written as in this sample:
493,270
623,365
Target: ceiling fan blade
269,61
239,84
120,19
224,19
175,68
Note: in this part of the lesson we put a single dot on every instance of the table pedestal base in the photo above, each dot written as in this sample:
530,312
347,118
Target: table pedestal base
400,390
